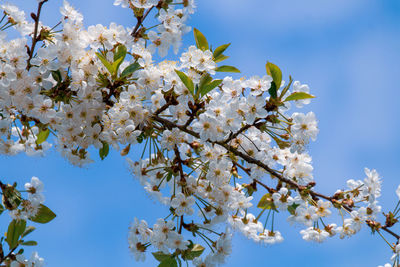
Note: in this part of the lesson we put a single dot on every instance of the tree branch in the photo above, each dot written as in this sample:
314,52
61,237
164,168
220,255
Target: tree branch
140,21
271,171
35,37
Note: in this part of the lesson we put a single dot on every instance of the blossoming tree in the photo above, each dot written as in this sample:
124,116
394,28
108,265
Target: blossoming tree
210,141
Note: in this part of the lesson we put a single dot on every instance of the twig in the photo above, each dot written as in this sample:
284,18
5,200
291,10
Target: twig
35,38
140,21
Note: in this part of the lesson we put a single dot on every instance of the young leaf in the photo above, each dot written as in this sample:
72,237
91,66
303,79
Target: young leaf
44,215
220,58
28,230
219,50
1,208
205,79
169,176
298,96
115,65
292,208
103,152
170,262
119,57
42,136
140,138
130,69
194,252
227,69
105,62
120,52
56,76
29,243
266,202
201,41
284,90
280,143
273,92
186,81
161,256
275,73
14,231
209,87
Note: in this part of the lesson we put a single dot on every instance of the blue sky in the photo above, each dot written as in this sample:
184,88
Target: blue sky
348,53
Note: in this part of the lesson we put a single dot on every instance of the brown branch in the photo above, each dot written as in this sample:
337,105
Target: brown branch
182,181
179,161
8,255
181,225
140,21
161,109
35,37
243,129
270,190
385,228
272,172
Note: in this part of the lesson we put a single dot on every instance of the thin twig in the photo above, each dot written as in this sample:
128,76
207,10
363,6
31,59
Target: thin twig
140,21
35,37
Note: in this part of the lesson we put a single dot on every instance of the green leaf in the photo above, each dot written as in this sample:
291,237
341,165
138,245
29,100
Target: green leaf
205,79
42,136
116,65
44,215
106,63
141,137
15,230
220,58
201,41
56,76
103,152
161,256
284,90
275,73
266,202
196,91
120,52
119,57
195,252
292,208
28,230
169,176
209,87
273,92
282,144
298,96
186,81
1,209
219,50
227,69
170,262
130,69
29,243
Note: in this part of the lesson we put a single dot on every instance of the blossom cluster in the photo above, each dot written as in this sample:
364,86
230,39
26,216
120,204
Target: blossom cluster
22,210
